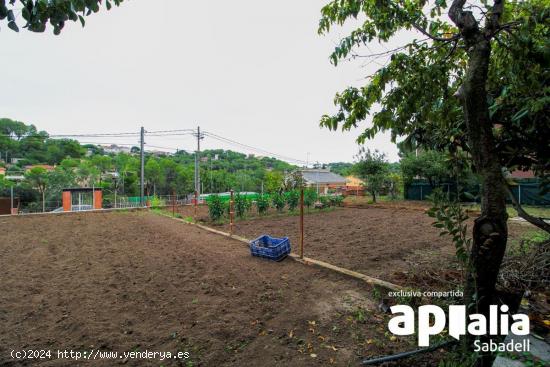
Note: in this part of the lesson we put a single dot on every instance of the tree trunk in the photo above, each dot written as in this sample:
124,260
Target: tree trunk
43,201
490,231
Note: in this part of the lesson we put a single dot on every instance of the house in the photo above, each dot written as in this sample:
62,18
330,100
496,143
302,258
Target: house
354,186
323,180
15,160
47,167
354,183
518,174
113,148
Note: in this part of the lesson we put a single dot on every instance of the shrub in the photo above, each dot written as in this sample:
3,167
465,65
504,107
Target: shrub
310,196
242,204
157,202
336,200
278,200
216,207
262,203
324,200
292,199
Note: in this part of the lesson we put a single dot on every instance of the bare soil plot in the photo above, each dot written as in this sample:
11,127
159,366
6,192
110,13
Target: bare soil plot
390,243
137,281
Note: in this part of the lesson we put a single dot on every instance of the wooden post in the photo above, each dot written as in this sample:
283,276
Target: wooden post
231,214
302,223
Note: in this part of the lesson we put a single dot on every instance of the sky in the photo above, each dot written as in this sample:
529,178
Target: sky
255,72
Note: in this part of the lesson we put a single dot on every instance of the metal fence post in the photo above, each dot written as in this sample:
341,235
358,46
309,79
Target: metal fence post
302,223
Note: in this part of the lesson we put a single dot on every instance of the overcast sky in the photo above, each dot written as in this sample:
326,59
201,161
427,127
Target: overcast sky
253,71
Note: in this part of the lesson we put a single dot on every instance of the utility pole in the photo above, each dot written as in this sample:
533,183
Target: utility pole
197,162
142,158
317,178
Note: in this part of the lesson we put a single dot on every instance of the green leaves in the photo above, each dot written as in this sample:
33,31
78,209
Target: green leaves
414,90
310,196
242,205
278,200
13,26
38,13
262,204
292,199
216,207
450,217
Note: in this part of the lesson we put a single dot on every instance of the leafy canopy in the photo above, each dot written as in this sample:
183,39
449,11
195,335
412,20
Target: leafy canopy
412,94
430,165
38,13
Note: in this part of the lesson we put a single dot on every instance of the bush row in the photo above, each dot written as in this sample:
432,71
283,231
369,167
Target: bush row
218,208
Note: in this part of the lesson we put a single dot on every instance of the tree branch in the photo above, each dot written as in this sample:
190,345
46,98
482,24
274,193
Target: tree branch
493,20
464,20
538,222
435,38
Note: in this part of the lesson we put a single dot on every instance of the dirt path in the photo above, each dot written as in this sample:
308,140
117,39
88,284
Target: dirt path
139,281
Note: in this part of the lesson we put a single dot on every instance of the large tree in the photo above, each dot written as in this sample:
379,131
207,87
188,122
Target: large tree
37,178
373,168
475,80
428,164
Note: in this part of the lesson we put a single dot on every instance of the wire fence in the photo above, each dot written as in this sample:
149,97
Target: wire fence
111,202
526,193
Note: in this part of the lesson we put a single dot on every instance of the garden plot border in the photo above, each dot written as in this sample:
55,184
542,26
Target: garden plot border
305,260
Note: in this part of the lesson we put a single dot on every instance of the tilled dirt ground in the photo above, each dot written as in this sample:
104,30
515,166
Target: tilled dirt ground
138,281
391,243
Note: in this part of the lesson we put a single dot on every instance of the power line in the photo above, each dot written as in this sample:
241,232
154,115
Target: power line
275,155
53,136
172,131
157,147
158,133
111,143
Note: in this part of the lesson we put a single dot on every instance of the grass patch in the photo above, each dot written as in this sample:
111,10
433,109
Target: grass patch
536,211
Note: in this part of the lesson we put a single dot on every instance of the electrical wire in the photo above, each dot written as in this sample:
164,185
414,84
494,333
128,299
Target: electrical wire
259,150
159,133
